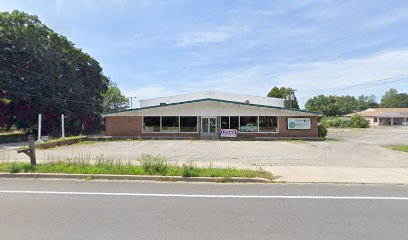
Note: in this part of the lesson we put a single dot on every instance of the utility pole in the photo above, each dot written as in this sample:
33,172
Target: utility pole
291,97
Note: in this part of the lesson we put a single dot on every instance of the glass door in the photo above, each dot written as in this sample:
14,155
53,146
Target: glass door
209,125
213,125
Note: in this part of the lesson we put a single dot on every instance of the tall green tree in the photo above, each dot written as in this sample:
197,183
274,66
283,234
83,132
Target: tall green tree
286,93
340,105
114,100
393,99
43,72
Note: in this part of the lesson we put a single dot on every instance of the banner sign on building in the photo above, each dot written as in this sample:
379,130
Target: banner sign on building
299,123
232,133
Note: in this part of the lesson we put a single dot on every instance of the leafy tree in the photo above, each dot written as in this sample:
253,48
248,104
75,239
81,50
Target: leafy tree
365,102
43,72
285,93
340,105
114,100
393,99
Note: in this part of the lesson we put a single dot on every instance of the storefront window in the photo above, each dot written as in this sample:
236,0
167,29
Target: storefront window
234,123
225,123
268,124
170,124
151,124
248,124
188,124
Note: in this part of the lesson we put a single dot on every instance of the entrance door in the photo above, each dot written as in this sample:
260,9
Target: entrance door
209,125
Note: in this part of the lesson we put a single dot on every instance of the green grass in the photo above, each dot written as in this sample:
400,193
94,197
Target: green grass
87,142
64,139
14,132
402,148
149,165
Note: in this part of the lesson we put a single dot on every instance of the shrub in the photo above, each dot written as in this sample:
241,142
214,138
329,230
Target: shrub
338,122
357,121
153,164
190,169
322,130
6,137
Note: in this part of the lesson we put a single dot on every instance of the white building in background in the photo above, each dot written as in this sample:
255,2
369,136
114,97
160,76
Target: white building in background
384,116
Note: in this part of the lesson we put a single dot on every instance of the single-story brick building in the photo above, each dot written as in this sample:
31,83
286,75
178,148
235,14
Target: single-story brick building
213,114
384,116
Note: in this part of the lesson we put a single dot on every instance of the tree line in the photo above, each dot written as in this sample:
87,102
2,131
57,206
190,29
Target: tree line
332,105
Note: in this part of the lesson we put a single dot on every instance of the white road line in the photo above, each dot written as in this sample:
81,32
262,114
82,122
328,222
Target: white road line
206,196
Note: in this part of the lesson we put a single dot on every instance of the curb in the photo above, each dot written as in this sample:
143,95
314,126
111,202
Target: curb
134,177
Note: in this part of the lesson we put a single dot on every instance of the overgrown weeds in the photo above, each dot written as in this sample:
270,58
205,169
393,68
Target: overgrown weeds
153,165
149,165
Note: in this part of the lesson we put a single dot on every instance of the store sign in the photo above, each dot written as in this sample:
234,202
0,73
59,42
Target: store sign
232,133
299,123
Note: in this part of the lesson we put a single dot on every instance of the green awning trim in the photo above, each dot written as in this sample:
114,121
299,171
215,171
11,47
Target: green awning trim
214,100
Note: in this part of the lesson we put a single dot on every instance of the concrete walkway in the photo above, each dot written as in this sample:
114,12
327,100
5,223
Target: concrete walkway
313,174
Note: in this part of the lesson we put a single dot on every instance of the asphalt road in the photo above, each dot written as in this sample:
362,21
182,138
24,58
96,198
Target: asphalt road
60,209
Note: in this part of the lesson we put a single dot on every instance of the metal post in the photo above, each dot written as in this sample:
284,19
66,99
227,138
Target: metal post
31,153
62,126
39,140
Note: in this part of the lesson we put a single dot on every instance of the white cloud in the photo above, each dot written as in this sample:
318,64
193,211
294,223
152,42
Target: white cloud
320,77
204,37
386,20
310,79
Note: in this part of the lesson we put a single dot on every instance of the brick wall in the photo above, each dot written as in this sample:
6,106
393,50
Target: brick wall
132,126
285,132
171,135
123,126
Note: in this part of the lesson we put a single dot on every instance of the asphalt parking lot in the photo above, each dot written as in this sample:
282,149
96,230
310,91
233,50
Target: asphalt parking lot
344,148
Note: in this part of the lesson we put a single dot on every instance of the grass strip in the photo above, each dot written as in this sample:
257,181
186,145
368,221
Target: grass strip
402,148
129,169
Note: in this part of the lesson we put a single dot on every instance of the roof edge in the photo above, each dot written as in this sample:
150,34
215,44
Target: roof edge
106,114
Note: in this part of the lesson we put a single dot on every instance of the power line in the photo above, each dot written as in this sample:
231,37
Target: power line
369,84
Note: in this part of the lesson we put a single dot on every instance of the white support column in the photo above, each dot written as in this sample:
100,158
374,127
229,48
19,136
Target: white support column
39,140
258,123
62,126
392,121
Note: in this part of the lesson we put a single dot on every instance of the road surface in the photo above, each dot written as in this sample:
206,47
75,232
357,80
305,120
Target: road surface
69,209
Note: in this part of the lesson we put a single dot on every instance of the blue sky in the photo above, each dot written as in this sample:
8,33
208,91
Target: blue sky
154,48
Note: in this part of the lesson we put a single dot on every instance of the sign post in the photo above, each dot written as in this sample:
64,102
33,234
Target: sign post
62,126
39,140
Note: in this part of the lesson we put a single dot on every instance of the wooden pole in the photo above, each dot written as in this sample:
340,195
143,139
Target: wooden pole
31,145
